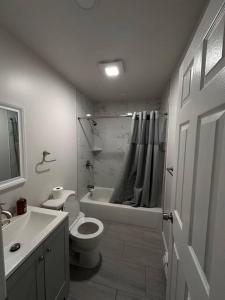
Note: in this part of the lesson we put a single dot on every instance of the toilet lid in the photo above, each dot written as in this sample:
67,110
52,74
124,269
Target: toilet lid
86,228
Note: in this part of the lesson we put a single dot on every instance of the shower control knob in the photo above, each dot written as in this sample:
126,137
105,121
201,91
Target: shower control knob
41,258
168,217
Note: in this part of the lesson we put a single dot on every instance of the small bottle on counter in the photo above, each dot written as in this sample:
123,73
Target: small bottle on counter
21,206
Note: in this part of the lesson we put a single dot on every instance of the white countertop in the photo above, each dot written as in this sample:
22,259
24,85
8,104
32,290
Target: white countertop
30,230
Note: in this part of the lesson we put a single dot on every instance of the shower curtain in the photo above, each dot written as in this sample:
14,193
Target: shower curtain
141,179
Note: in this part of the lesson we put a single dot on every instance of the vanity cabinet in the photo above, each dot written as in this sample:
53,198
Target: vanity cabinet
45,274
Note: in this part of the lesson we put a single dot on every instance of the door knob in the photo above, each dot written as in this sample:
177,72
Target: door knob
168,217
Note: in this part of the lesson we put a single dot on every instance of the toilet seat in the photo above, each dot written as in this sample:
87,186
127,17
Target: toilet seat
74,228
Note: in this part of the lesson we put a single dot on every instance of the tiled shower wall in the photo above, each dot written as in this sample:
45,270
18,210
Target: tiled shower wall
112,136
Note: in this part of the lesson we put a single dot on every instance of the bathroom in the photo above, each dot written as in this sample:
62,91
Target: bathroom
111,150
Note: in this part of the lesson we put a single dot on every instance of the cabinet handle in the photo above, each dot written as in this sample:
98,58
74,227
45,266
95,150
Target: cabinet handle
41,258
48,250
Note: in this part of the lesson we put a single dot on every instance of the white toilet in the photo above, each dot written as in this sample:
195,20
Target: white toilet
85,233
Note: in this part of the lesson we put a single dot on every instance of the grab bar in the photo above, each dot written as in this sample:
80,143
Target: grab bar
170,170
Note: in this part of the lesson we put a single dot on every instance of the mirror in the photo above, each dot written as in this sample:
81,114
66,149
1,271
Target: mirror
11,147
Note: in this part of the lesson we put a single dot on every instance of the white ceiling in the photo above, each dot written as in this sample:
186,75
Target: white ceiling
149,35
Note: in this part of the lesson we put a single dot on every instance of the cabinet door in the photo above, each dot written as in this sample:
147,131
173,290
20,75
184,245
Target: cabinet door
57,264
27,282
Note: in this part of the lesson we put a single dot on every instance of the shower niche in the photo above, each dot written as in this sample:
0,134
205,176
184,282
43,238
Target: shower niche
12,150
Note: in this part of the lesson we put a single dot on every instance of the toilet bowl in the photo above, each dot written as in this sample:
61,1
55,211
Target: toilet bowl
85,235
85,232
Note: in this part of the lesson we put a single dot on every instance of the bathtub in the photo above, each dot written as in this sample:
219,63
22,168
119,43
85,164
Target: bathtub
96,204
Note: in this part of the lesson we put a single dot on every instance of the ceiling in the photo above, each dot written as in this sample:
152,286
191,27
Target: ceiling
148,35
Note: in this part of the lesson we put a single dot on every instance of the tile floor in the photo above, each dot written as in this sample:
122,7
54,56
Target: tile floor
130,268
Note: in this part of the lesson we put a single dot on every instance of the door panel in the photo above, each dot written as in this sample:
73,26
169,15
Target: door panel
201,200
180,169
198,252
214,45
187,81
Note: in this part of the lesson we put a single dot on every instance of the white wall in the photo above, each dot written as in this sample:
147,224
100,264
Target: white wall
50,116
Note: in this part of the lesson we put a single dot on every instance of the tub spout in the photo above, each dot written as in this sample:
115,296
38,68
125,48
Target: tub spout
90,188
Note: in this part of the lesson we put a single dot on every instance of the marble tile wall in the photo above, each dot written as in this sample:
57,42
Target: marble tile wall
112,136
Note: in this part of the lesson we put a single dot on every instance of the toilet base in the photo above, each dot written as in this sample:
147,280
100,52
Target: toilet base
85,259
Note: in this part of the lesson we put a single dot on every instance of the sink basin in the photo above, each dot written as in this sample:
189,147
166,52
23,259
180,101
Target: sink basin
29,230
25,229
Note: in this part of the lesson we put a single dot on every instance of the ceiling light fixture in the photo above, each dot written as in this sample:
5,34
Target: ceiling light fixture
112,69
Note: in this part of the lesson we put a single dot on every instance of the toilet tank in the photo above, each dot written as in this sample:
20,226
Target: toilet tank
72,206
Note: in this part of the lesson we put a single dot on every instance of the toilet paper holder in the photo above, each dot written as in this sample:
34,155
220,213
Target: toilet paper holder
44,160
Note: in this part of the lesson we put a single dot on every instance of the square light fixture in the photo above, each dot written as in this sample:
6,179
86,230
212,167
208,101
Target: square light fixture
112,69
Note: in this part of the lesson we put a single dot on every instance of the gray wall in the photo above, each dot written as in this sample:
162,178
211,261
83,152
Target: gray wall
112,136
49,104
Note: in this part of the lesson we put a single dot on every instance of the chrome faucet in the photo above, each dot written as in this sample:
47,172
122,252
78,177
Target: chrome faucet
6,213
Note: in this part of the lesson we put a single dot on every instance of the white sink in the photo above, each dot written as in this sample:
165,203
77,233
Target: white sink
29,230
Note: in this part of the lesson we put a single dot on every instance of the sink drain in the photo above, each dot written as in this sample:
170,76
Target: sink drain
15,247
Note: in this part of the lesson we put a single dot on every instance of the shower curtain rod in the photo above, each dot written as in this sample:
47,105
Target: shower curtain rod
112,116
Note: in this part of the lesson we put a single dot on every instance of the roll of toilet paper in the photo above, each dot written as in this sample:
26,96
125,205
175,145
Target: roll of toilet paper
57,192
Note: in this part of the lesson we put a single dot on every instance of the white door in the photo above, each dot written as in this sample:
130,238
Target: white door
197,268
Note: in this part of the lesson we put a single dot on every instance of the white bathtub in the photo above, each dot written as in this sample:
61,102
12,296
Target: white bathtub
96,204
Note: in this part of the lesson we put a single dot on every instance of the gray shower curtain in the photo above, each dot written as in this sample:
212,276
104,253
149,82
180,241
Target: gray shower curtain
141,179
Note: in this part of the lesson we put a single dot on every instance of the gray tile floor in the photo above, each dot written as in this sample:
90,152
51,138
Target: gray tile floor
130,268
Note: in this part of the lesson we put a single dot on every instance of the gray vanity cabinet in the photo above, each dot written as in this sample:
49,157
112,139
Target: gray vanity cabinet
27,282
45,274
57,264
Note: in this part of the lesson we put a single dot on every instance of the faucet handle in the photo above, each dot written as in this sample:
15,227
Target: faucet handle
2,204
